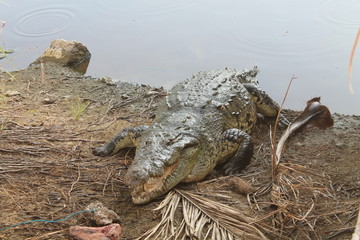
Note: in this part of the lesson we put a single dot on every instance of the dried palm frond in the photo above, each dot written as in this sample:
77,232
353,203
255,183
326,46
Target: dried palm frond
202,218
314,115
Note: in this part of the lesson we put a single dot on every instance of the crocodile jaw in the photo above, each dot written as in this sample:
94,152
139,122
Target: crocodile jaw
146,186
154,187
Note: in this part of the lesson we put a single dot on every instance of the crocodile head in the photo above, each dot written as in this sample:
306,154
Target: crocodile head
163,159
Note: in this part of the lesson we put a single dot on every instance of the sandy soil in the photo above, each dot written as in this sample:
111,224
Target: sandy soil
51,118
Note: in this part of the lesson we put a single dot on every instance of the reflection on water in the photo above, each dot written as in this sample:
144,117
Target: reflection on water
162,42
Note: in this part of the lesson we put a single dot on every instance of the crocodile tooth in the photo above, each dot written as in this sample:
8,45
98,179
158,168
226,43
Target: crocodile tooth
151,184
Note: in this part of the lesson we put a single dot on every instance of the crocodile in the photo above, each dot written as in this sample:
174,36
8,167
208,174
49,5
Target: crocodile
204,122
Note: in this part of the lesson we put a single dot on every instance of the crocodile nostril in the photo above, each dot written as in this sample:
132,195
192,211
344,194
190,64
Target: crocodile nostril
136,177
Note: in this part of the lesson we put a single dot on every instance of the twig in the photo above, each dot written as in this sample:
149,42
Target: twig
107,111
12,198
73,184
275,161
149,106
110,122
106,181
3,23
42,71
131,100
351,61
46,235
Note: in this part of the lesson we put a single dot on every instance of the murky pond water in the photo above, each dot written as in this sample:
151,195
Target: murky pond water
162,42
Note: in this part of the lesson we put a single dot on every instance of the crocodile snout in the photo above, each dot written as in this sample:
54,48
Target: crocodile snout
136,177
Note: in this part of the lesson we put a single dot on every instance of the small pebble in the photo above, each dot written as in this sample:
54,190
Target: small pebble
48,101
12,93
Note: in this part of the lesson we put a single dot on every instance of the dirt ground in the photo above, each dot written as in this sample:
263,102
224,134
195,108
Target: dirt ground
51,117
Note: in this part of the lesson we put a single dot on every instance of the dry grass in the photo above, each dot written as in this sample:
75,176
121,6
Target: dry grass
297,193
47,171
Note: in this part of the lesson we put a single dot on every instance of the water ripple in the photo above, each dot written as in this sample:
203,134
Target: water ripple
142,8
44,22
341,12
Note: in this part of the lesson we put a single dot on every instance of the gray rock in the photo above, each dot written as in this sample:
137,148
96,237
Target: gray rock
67,53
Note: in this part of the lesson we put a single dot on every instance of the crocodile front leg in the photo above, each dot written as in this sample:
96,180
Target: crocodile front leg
265,105
236,148
128,137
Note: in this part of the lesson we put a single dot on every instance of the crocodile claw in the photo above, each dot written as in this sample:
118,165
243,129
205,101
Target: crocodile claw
283,122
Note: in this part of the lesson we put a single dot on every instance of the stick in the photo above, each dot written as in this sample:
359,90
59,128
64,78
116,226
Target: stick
351,61
73,184
356,234
274,160
46,235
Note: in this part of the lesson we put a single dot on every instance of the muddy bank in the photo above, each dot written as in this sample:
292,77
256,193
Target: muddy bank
51,117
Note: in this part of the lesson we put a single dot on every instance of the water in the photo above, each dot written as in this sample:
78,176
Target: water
162,42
